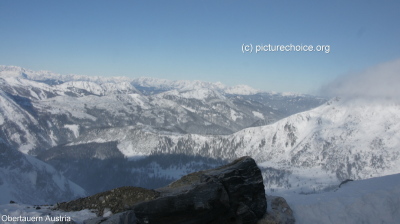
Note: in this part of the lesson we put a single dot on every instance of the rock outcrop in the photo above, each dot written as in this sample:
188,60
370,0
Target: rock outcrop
278,212
115,201
233,193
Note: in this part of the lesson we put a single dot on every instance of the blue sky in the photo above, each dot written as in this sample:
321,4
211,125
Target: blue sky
200,40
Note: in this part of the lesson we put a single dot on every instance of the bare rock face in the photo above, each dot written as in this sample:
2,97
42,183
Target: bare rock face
233,193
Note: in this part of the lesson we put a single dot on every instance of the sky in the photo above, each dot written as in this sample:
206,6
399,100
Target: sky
201,40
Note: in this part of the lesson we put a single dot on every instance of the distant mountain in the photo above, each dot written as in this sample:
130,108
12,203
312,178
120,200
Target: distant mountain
304,153
42,109
108,132
50,115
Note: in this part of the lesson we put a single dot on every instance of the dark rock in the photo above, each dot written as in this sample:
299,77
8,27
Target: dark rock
345,181
200,204
12,202
233,193
278,213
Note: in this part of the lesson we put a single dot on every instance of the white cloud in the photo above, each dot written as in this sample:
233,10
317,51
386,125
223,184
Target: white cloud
378,82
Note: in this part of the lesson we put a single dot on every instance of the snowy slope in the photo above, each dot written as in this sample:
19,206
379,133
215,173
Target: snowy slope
306,152
17,119
375,200
26,179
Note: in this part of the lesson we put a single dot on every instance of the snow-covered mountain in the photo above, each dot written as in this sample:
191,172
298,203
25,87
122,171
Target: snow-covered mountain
50,115
128,119
41,109
64,136
88,82
77,122
26,179
306,152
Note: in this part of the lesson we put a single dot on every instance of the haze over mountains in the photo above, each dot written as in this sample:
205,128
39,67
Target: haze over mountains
100,133
46,109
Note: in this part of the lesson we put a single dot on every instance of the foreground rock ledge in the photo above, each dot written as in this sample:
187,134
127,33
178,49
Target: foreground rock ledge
233,193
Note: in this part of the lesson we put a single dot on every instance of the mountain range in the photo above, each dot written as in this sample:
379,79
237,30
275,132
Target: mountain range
99,133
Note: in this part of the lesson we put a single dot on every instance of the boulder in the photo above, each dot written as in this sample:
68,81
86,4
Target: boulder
278,213
233,193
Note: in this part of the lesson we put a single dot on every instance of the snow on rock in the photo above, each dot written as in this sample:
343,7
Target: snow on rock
139,100
235,115
74,128
189,109
88,86
200,94
138,147
258,114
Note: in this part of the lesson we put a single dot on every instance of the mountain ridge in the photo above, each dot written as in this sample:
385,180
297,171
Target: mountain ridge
306,152
299,147
53,114
163,84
